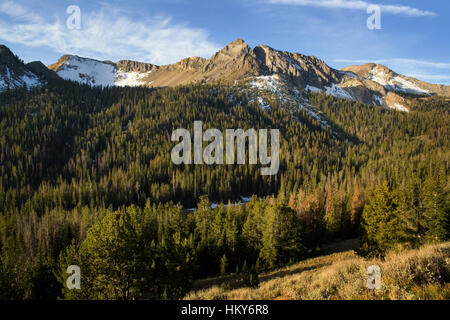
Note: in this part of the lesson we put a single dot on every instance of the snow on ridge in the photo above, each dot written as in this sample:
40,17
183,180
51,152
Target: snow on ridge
397,83
88,71
407,86
98,73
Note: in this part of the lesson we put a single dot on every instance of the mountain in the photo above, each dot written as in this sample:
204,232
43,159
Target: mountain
262,67
14,73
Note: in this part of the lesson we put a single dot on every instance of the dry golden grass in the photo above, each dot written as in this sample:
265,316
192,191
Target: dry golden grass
413,274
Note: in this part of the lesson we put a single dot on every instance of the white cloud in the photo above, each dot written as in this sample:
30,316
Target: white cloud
356,5
17,11
107,34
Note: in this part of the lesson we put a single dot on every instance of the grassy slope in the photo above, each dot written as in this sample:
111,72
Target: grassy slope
413,274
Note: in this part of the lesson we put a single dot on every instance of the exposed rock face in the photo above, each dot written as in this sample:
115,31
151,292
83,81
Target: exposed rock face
370,83
301,70
130,66
236,61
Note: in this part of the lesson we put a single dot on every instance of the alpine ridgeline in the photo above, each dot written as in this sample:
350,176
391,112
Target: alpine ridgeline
263,68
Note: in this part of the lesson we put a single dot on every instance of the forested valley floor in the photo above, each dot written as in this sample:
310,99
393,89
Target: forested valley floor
86,179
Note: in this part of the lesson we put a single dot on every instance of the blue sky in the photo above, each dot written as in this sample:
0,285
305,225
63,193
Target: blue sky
413,39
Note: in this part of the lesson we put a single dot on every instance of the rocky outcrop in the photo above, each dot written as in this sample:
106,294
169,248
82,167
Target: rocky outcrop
301,70
134,66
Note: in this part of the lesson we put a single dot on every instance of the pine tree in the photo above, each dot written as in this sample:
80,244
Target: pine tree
380,222
436,210
282,236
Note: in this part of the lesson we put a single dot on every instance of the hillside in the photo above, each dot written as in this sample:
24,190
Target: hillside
15,74
414,274
83,167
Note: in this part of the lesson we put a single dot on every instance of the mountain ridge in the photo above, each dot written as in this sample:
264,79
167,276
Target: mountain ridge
371,83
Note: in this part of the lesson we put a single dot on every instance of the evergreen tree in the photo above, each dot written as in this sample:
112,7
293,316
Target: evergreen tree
380,231
436,210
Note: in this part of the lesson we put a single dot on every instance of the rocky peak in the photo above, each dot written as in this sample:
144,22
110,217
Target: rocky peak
236,50
234,62
55,66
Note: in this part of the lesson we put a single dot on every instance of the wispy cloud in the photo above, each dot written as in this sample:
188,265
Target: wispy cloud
421,69
356,5
106,34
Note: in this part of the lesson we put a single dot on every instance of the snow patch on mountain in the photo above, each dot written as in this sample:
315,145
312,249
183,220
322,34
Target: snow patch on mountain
399,107
88,71
396,83
332,90
271,83
336,91
401,84
11,80
30,79
130,79
99,73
